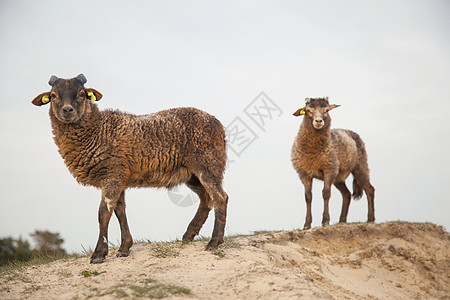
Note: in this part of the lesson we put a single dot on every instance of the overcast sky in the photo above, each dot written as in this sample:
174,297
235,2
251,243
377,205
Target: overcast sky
386,62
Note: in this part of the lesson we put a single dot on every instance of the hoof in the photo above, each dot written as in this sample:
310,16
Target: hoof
213,244
187,238
119,254
306,227
97,260
211,247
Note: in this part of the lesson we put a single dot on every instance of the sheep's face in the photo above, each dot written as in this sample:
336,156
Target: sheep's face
69,99
316,112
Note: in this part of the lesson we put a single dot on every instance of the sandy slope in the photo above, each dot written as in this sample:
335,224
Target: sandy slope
355,261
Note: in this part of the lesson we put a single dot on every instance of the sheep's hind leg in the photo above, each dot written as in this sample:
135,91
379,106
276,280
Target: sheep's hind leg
346,197
203,209
370,193
362,177
126,239
220,200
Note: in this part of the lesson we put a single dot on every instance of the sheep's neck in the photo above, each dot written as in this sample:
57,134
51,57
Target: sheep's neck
74,140
314,141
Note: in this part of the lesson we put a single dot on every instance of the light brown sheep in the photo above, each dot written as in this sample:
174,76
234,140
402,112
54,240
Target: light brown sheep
113,151
330,155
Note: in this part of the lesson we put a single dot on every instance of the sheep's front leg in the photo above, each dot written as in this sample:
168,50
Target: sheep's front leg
307,182
107,206
326,193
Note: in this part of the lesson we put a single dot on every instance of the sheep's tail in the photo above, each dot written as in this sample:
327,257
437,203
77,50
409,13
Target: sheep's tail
357,190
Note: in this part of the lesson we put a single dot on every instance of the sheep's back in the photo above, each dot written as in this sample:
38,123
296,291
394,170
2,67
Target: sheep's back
162,149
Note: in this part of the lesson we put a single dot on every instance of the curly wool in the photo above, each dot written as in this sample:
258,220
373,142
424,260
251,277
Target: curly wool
156,150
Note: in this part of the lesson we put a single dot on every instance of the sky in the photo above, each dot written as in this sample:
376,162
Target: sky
251,64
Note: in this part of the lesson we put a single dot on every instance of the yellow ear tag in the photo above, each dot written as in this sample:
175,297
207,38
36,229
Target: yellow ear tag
302,112
93,98
45,99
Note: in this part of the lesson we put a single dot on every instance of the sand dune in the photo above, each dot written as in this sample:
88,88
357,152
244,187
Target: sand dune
394,260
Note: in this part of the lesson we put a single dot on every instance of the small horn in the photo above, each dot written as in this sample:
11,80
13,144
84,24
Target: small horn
307,100
52,80
82,78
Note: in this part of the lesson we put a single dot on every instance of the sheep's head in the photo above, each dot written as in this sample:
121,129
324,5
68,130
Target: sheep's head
69,99
316,112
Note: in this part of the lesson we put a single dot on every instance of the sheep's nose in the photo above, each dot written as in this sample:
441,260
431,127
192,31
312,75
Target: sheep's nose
318,121
67,109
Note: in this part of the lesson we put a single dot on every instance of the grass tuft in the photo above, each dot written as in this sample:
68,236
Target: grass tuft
218,252
89,273
163,251
38,259
147,288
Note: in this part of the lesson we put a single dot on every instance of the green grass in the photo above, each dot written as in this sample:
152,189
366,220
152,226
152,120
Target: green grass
218,252
38,259
165,250
147,288
86,252
89,273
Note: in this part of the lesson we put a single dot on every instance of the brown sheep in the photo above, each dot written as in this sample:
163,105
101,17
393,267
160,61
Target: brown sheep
330,155
113,151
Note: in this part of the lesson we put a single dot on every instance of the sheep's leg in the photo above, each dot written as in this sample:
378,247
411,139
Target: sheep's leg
346,197
126,239
101,250
202,212
370,193
307,182
220,200
362,177
107,206
326,193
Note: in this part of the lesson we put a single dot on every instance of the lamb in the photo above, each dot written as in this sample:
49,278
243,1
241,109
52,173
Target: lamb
330,155
112,150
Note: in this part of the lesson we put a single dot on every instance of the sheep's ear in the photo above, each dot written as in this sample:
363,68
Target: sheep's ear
42,99
333,106
93,94
299,112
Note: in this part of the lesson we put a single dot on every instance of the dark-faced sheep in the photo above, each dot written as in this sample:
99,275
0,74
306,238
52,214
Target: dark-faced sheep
330,155
113,151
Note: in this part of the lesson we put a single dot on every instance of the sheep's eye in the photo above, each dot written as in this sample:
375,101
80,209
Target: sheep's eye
82,95
53,96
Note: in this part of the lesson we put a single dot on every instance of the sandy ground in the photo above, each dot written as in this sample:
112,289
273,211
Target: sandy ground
354,261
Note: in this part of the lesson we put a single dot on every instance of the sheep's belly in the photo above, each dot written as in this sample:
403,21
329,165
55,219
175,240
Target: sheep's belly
167,179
